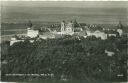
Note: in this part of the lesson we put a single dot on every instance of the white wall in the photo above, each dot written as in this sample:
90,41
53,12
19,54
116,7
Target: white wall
97,34
14,41
32,33
120,31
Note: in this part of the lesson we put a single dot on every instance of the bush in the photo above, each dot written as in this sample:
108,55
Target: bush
69,58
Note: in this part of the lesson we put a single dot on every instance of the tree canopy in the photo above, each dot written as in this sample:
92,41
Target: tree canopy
69,57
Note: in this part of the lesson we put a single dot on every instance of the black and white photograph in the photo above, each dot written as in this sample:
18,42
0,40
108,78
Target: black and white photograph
64,41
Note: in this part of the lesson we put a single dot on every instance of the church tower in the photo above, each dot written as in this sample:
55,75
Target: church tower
120,28
29,24
62,26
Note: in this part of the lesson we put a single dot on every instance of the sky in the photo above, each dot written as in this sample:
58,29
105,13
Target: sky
83,11
81,4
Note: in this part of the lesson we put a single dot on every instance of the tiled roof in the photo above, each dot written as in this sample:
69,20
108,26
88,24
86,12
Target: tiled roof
111,32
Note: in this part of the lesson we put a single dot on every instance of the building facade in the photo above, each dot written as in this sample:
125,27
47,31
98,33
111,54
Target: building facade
67,28
97,34
32,33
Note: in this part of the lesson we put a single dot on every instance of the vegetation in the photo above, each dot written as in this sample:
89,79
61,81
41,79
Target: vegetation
68,58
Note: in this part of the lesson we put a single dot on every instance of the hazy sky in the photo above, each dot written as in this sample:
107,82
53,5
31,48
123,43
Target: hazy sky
108,4
91,11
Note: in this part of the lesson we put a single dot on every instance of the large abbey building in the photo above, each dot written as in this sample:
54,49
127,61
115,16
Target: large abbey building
67,28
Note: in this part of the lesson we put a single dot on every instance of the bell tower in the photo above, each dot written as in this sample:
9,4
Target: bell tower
29,24
120,26
62,26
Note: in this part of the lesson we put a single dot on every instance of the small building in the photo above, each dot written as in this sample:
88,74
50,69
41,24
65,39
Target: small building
120,31
32,33
109,53
14,40
97,34
47,35
111,33
120,28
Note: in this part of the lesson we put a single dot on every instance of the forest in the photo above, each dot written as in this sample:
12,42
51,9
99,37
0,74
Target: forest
68,58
